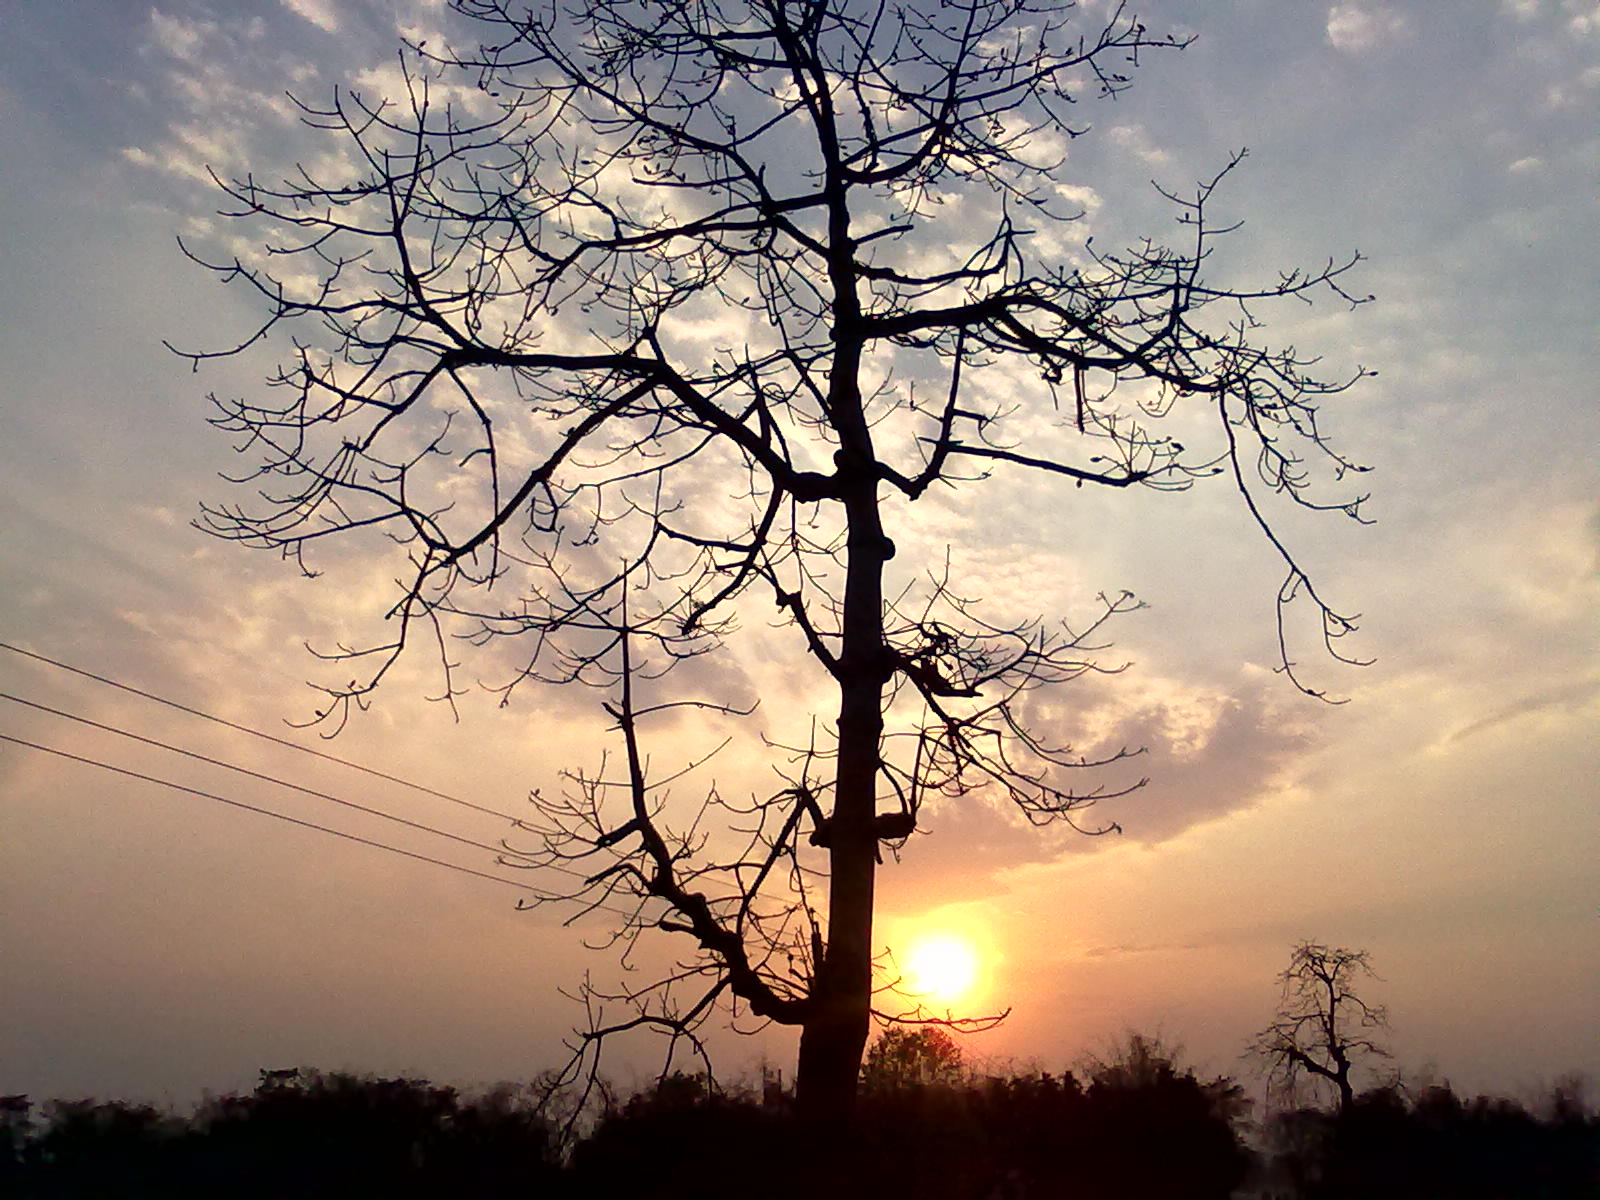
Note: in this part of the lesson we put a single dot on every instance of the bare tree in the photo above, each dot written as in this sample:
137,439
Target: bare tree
667,317
1323,1028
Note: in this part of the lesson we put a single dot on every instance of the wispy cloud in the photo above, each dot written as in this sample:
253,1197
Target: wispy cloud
180,38
1209,755
1357,27
1137,141
319,12
1583,18
1566,698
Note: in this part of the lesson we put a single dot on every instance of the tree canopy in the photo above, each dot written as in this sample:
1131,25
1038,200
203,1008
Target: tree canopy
1324,1028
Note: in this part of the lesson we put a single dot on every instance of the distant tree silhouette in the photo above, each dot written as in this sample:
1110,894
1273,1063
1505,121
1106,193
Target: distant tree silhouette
1158,1131
1144,1128
668,325
1323,1028
337,1135
93,1148
16,1132
1391,1145
1035,1123
302,1136
682,1139
912,1056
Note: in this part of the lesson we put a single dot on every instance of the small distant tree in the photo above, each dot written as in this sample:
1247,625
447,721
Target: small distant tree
1148,1062
1152,1128
1323,1029
1139,1061
660,1140
912,1057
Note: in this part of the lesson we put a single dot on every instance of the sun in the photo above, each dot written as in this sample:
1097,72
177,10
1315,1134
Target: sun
939,970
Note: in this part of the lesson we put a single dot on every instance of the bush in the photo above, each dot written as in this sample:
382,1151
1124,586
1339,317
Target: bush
1394,1146
307,1135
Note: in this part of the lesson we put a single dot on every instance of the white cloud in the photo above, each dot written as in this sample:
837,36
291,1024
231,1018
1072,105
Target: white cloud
319,12
1356,27
1085,198
1567,94
1134,139
176,36
1526,166
1585,19
1522,10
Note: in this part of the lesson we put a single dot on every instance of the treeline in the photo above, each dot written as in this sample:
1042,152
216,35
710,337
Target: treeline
299,1134
1134,1125
1398,1144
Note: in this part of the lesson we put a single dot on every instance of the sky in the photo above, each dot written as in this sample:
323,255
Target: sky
156,944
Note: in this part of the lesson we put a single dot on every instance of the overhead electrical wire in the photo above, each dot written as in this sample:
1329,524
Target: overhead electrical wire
501,851
197,712
267,812
217,762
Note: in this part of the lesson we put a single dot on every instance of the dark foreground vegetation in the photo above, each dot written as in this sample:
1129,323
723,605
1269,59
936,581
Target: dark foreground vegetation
1138,1125
1392,1144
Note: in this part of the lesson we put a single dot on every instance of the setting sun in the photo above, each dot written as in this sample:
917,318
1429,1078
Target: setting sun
939,970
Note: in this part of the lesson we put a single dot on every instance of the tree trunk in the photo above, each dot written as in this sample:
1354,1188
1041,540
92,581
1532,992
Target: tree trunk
835,1035
1347,1093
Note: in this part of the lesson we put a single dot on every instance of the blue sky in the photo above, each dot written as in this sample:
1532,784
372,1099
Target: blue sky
1445,819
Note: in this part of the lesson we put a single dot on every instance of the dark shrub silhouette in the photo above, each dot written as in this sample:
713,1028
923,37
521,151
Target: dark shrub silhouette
1152,1129
1390,1146
685,1139
343,1135
304,1135
93,1148
16,1127
1142,1127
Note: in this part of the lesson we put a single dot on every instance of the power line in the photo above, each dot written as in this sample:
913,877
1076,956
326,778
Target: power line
267,812
217,762
354,766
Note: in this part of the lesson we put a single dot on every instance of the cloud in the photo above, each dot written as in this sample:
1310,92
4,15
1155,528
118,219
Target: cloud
1357,27
319,12
177,37
1584,18
1136,140
1129,949
1568,697
1208,754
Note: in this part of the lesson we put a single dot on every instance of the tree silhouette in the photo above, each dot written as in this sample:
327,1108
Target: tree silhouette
912,1057
671,316
1392,1143
1152,1129
1323,1028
